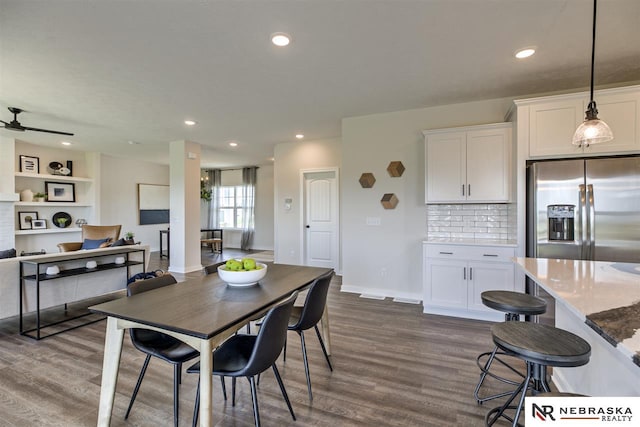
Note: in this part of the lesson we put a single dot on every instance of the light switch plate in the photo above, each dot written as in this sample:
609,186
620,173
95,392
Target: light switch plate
373,220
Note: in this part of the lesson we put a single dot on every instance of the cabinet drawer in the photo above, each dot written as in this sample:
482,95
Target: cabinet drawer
479,253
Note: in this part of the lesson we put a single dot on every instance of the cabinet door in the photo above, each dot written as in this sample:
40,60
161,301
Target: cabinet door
488,165
445,283
622,113
552,125
488,276
446,168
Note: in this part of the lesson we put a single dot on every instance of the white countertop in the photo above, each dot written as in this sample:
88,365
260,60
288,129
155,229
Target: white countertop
588,287
474,242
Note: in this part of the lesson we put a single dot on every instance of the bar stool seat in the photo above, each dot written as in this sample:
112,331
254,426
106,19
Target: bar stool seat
539,346
514,305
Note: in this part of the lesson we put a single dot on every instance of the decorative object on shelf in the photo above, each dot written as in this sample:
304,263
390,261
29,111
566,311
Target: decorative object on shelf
119,260
389,201
128,238
367,180
91,265
26,195
60,191
53,270
70,167
40,252
62,219
38,224
25,219
58,169
80,222
39,197
29,164
592,130
395,169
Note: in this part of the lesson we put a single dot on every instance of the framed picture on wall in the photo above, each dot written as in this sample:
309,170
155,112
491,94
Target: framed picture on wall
153,204
60,191
25,219
29,164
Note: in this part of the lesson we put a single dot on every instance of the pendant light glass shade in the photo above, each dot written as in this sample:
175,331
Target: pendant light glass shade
592,130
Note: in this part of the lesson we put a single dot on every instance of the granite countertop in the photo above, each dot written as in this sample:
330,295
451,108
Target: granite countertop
606,295
473,242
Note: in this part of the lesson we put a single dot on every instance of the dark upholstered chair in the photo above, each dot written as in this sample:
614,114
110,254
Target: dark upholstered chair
160,345
308,316
249,355
93,232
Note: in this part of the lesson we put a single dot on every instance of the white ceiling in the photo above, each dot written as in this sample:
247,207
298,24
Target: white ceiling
114,71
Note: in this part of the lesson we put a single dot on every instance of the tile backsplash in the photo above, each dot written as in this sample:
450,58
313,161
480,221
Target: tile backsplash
471,221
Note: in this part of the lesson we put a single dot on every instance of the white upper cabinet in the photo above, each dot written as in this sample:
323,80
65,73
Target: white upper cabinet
553,120
468,165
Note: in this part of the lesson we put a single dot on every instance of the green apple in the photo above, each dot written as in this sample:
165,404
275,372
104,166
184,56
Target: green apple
233,265
249,263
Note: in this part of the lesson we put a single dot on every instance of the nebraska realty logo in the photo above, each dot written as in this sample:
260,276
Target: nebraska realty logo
582,411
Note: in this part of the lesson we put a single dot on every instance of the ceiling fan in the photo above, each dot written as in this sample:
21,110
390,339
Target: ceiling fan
16,126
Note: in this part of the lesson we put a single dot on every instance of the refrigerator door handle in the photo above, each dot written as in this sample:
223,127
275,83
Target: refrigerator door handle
582,220
591,224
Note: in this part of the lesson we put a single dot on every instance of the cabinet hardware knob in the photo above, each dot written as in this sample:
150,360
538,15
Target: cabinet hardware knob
490,255
470,273
446,253
463,189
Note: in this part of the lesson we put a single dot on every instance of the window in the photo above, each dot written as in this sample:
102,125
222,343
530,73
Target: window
231,207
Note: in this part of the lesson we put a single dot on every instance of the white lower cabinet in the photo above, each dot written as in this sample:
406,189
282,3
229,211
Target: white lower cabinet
456,275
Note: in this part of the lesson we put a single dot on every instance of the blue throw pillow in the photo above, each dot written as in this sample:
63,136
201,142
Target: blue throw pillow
9,253
93,244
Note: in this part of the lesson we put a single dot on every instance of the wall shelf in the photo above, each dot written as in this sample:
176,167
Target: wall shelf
49,204
49,231
53,177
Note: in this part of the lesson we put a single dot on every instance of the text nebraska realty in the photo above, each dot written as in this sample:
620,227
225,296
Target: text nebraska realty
609,413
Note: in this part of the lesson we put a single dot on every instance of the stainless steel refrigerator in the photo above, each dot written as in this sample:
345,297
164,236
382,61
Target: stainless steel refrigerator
584,209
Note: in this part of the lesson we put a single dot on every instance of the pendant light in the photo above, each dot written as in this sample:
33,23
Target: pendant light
592,130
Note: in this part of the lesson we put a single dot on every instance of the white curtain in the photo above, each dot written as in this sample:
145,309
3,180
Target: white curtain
248,202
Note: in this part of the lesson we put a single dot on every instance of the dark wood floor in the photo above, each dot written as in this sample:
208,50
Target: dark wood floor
393,366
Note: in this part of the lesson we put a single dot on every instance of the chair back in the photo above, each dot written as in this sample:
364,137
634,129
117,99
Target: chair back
213,268
314,303
141,286
271,338
95,232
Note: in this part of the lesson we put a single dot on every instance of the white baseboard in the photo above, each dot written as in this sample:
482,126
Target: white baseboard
383,293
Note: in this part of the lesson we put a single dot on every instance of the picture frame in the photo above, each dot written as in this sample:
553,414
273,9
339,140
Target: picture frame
60,191
29,164
25,219
38,224
153,204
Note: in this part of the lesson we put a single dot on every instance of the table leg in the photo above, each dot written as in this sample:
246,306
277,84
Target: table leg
324,323
112,349
206,367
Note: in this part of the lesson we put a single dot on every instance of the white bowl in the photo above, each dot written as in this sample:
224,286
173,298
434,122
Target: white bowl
53,270
242,278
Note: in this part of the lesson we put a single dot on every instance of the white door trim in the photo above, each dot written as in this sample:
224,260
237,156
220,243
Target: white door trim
302,234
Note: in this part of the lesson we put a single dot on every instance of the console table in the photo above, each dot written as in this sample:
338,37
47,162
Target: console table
33,270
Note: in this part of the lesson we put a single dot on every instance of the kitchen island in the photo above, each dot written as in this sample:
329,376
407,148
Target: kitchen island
599,301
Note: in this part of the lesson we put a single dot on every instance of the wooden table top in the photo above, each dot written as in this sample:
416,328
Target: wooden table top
203,307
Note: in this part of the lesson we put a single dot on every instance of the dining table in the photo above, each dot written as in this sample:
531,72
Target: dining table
202,312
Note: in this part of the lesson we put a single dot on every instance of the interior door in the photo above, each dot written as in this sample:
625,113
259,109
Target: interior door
321,219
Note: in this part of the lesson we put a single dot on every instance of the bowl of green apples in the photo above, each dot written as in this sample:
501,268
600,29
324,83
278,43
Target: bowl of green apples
242,272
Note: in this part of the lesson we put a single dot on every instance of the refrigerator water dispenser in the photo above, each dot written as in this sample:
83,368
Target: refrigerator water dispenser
561,225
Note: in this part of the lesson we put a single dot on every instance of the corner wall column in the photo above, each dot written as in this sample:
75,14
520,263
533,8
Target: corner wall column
184,175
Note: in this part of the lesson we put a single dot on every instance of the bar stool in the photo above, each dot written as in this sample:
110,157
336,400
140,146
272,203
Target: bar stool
513,304
539,346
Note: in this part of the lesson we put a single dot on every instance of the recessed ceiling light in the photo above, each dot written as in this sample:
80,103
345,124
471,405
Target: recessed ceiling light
525,53
233,144
189,122
299,136
280,39
65,143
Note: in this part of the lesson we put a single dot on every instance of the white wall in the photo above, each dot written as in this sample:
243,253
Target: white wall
263,237
387,259
119,195
290,158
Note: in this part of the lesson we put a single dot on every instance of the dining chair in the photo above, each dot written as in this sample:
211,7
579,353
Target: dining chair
159,345
245,355
307,317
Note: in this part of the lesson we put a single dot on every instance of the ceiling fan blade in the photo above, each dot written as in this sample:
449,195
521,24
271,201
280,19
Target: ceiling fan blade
46,130
4,122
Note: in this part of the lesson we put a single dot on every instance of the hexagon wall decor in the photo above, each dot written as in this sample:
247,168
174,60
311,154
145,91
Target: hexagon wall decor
389,201
395,169
367,180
